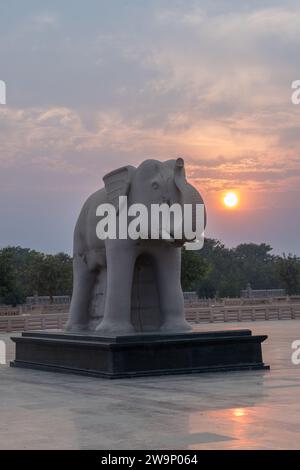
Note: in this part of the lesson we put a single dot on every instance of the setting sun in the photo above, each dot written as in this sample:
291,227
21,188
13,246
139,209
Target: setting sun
230,200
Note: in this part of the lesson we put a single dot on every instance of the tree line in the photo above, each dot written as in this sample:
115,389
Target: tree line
214,271
25,272
218,271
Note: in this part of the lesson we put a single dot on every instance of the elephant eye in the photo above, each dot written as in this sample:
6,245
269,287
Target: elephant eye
155,185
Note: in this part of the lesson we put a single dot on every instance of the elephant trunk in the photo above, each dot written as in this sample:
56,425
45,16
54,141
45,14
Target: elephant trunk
188,194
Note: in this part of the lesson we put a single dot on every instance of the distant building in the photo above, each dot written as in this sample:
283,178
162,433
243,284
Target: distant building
250,293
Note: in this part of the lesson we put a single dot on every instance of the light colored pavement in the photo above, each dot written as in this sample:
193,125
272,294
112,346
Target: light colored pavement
233,410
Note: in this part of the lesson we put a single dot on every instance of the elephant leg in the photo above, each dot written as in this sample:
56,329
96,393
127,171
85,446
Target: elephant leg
168,266
120,257
83,284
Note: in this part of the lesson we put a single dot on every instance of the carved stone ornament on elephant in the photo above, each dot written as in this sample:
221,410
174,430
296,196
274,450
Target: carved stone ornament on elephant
123,286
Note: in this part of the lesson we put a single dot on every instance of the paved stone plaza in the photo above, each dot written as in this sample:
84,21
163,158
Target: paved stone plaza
239,410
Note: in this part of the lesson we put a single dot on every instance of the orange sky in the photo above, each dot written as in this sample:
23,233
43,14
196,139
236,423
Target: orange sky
88,91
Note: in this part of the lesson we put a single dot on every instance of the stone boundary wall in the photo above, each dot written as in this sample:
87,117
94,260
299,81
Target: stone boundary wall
194,314
33,322
242,313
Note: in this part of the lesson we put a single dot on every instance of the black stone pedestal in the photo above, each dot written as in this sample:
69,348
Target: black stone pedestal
140,354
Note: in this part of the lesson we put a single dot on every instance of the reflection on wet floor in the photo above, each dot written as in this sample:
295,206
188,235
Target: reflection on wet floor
254,410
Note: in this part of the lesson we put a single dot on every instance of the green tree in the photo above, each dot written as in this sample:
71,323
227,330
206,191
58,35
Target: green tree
231,269
289,273
256,265
6,278
206,289
222,269
193,269
25,272
55,275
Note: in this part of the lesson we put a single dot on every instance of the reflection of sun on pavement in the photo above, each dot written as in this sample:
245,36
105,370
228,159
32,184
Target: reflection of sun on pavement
231,423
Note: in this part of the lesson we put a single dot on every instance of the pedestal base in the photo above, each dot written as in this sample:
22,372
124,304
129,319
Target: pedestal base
139,355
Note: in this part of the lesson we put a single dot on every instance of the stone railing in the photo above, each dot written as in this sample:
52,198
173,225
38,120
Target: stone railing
64,308
9,311
33,322
241,313
33,309
293,299
195,314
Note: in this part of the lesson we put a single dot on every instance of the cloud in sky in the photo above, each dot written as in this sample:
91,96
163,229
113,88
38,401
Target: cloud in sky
90,89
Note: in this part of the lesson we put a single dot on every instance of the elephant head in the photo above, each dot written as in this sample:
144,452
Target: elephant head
153,182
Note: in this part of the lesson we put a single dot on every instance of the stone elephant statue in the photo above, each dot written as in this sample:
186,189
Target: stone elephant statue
122,286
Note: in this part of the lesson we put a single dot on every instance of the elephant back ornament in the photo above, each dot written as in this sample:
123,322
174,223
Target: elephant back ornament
122,285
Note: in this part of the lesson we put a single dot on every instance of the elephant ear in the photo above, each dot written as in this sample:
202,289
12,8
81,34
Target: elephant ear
117,183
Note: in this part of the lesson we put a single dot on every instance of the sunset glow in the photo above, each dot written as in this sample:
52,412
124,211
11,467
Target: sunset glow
173,78
230,200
